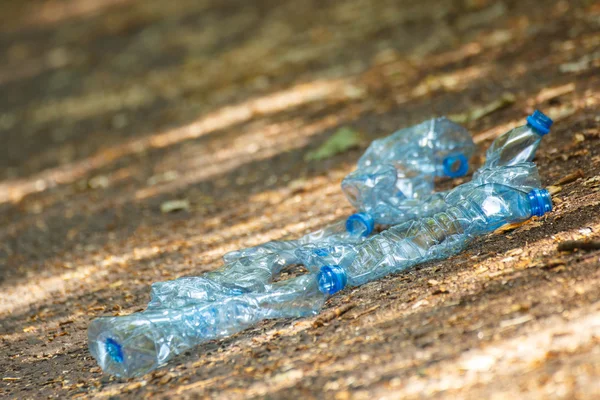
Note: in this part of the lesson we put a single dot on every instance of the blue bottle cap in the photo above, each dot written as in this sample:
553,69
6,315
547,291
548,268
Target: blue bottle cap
456,165
114,350
540,122
360,224
540,202
332,279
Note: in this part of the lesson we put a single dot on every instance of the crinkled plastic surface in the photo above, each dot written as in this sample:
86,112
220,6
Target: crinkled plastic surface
515,146
404,164
333,233
423,148
254,267
523,176
395,168
486,208
135,344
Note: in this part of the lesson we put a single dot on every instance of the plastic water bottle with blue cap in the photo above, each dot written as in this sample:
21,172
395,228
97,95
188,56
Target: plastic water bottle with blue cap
437,147
136,344
190,313
254,273
519,144
254,267
487,208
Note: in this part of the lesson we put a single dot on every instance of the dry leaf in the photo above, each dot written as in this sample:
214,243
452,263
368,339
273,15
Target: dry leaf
175,205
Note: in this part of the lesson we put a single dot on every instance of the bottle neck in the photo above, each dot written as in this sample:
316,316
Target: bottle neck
332,279
540,202
455,165
537,131
539,122
360,224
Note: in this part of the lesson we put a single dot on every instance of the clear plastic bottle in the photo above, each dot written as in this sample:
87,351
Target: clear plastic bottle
340,231
437,147
138,343
256,270
404,164
252,268
519,144
487,208
256,266
252,271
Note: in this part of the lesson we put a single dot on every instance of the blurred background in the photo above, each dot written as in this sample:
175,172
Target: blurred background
140,140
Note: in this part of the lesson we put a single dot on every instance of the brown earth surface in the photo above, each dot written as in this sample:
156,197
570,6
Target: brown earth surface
111,108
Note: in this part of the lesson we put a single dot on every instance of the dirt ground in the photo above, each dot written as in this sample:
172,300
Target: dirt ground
109,109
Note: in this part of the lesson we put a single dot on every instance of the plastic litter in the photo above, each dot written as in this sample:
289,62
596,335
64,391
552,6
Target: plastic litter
189,311
400,166
485,208
404,164
513,147
138,343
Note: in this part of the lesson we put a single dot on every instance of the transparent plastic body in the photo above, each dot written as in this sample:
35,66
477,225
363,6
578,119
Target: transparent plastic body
259,265
373,187
487,208
404,164
515,146
136,344
430,148
524,176
377,188
400,166
335,232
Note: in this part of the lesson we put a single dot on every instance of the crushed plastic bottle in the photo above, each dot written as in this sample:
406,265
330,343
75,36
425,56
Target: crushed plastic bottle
405,163
338,231
402,165
437,147
136,344
377,188
254,267
254,272
519,144
487,208
251,269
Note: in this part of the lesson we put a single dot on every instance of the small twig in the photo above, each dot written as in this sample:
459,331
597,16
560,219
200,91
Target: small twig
330,315
200,384
572,177
367,311
572,245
